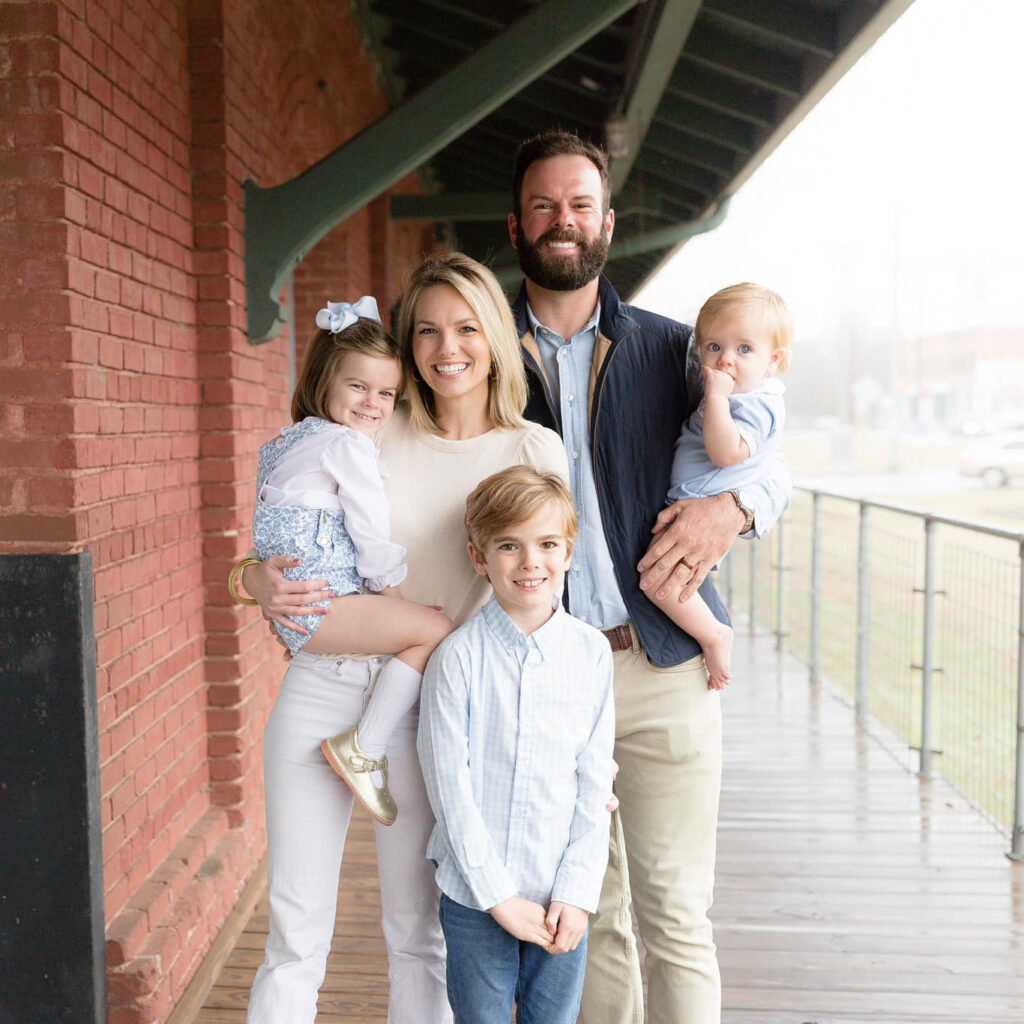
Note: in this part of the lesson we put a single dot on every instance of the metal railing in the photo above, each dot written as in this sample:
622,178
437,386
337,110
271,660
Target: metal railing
918,618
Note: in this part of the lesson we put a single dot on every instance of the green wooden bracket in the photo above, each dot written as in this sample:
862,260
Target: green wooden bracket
662,238
283,223
656,53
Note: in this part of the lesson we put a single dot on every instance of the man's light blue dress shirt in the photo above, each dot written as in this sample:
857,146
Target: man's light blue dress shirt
594,594
515,740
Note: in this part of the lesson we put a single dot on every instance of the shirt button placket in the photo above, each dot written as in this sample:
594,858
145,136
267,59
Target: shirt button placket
517,816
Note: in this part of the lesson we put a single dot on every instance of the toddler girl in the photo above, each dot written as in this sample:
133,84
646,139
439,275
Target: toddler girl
320,499
731,441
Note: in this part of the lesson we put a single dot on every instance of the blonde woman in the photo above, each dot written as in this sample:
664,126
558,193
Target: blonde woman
462,422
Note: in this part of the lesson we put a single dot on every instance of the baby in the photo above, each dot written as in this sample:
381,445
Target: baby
742,337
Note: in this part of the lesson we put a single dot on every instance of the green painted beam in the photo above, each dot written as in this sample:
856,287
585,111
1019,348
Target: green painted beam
548,93
664,140
422,29
695,83
453,206
665,174
808,27
711,125
662,31
282,224
454,21
746,61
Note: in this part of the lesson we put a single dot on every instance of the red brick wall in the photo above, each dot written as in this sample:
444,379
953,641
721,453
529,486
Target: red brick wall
133,402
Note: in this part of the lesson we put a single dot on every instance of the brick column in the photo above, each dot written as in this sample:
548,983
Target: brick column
237,413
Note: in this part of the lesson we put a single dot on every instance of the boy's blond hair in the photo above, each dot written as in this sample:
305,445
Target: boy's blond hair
730,303
506,386
513,496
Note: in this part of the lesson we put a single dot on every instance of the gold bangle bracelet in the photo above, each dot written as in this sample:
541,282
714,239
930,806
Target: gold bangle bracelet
233,577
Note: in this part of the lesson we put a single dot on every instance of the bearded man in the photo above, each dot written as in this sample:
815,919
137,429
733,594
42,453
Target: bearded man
612,380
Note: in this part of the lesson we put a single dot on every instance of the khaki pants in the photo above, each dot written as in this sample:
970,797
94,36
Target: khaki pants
668,743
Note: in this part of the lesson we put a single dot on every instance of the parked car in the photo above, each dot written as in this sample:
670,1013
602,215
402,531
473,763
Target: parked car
996,460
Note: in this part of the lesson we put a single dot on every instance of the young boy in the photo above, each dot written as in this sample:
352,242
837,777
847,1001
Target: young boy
515,739
742,337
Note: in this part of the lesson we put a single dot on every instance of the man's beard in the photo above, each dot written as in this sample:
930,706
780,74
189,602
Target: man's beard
563,273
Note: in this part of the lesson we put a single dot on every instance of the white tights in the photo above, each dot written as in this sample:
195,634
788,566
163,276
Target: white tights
395,694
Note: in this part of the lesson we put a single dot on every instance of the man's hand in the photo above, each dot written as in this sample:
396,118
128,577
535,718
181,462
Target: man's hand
691,536
280,598
716,382
524,920
567,925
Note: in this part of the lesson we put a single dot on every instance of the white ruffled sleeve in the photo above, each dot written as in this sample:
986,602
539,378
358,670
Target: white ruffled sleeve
353,462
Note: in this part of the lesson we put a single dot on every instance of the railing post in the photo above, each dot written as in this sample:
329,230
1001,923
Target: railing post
780,586
815,644
927,654
753,586
863,617
1017,839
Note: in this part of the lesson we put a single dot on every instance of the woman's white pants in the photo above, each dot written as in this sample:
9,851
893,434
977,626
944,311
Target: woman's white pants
308,812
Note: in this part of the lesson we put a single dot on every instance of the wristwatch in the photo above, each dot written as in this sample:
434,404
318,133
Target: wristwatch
748,512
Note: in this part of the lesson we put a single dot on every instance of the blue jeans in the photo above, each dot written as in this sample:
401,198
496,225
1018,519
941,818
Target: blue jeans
489,969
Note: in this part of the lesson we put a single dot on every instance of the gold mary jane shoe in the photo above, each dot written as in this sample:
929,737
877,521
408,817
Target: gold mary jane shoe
355,768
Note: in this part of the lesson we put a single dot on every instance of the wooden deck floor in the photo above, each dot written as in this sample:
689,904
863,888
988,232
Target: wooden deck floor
848,890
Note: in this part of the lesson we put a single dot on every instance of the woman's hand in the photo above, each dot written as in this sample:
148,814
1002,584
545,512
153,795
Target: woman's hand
280,598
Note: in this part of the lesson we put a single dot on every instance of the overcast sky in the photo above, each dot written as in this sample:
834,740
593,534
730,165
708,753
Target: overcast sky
898,198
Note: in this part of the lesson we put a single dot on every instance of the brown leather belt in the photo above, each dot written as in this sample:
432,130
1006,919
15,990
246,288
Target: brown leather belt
619,637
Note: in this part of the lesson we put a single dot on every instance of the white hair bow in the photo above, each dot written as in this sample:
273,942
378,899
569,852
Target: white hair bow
339,315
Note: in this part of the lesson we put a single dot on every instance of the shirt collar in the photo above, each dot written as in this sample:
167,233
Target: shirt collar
590,325
769,386
543,639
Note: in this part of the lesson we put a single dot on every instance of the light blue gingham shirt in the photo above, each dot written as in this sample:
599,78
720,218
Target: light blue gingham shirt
594,594
515,741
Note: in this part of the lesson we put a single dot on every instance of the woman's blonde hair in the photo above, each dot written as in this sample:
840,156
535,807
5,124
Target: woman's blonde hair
730,303
506,393
323,360
512,496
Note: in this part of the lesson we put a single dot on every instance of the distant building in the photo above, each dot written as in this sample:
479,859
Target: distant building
970,380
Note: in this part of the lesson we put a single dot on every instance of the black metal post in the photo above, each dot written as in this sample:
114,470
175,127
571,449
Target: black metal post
51,866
